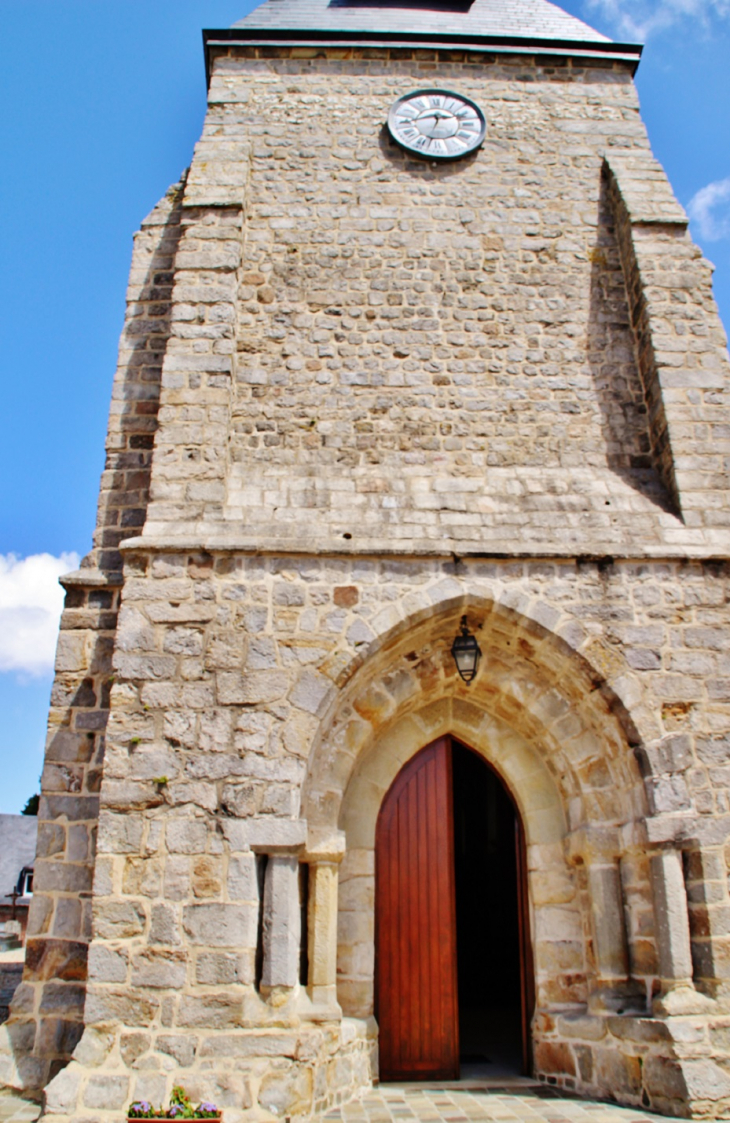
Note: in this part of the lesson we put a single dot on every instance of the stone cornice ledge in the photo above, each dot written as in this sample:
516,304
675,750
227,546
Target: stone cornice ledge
216,41
90,579
232,543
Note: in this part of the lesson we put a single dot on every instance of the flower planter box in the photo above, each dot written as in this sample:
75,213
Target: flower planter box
180,1107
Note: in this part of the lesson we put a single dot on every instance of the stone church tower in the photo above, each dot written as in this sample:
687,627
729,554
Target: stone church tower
385,370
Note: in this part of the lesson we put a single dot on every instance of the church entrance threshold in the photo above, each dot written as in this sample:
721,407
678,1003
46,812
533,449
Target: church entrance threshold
440,1104
453,964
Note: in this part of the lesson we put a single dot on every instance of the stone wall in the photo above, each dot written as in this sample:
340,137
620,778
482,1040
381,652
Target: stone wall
252,692
436,353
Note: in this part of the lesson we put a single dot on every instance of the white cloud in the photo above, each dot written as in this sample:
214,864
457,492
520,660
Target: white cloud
638,19
709,210
31,600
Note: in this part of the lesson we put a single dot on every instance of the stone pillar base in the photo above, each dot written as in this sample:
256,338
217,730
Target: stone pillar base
659,1064
682,1000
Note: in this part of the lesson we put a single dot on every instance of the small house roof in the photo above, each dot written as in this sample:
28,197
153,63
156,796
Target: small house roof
18,835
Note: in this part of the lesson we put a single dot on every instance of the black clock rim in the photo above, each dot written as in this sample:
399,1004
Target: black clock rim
445,93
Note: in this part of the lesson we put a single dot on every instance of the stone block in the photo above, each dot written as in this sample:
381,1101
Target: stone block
57,1037
210,1011
132,1046
554,1057
119,1005
244,1046
618,1072
108,965
218,969
186,836
241,800
584,1027
639,1030
706,1081
664,1078
119,834
165,925
68,918
235,834
310,692
94,1047
62,998
142,877
107,1092
181,1048
63,877
221,925
177,879
251,687
118,919
241,884
61,1095
285,1092
71,652
162,969
276,836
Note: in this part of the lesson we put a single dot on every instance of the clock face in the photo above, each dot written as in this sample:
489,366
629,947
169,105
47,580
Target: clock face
437,124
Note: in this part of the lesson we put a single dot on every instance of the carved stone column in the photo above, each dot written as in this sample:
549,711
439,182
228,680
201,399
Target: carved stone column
673,939
282,923
613,990
282,841
324,854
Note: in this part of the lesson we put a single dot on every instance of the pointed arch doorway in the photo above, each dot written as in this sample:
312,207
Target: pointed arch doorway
453,963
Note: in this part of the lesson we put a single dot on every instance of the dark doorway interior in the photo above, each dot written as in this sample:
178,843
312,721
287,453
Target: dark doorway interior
487,920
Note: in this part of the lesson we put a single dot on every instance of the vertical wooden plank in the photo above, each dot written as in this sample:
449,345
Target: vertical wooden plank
416,996
527,970
452,1011
431,891
422,865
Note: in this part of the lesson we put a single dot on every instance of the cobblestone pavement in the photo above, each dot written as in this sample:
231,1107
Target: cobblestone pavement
13,1109
533,1104
394,1103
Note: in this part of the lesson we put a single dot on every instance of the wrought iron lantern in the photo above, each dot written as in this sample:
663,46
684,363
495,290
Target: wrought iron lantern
466,652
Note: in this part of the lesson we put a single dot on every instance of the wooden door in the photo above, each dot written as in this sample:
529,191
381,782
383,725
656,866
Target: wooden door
527,968
417,1007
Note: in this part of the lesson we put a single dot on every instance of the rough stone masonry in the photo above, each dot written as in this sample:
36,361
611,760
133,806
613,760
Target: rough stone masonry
359,395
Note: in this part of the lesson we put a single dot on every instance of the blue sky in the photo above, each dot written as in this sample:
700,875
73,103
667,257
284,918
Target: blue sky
102,102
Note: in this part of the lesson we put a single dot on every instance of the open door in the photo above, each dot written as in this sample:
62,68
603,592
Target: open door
415,922
454,972
527,966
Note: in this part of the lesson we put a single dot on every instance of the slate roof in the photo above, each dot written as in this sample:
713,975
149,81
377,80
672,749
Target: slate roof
528,19
18,834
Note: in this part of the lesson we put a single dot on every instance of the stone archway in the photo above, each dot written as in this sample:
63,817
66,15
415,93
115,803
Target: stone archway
562,718
555,892
564,743
532,678
566,746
